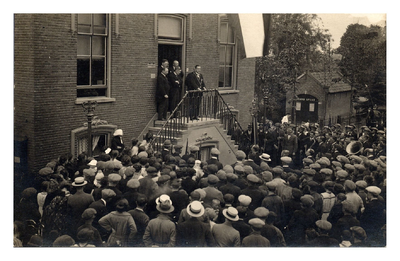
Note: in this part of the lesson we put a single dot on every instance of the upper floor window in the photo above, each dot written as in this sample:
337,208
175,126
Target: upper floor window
227,54
92,55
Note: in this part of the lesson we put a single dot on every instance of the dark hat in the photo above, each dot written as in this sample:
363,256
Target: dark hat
212,168
122,204
296,193
89,213
329,184
163,178
178,147
261,212
108,193
182,163
307,200
167,143
45,171
63,241
323,224
229,198
312,184
212,179
151,170
79,182
231,213
256,222
195,209
359,232
35,241
29,192
133,183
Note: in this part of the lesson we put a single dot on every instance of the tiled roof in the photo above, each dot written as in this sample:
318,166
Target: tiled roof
338,83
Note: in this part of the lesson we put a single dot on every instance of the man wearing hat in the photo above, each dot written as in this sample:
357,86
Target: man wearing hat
193,153
88,216
177,151
346,221
113,181
147,184
253,191
240,156
214,158
353,197
131,192
211,191
289,142
255,239
229,187
323,239
161,231
359,237
166,151
273,202
78,202
193,232
224,234
374,216
102,207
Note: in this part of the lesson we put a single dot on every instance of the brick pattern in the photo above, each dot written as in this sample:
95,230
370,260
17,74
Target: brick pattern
45,77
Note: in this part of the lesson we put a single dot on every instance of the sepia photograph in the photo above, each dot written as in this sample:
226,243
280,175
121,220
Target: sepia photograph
196,129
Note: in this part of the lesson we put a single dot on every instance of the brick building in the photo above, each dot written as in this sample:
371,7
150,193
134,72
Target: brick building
321,97
63,60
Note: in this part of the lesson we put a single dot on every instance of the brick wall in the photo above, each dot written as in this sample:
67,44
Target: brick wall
45,77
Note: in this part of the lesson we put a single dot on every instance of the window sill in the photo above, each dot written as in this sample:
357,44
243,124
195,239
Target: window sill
99,100
222,92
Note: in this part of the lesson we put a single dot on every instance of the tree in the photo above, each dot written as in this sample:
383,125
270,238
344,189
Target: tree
297,44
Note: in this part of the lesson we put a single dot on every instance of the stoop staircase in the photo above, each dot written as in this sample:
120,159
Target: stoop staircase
216,119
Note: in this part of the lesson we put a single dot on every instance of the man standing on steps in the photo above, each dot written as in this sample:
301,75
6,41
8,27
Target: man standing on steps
195,81
162,92
175,81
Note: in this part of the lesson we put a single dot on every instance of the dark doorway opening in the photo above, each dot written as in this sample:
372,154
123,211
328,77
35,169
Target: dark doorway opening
169,52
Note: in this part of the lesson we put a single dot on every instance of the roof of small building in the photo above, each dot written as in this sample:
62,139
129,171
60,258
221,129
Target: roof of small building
338,84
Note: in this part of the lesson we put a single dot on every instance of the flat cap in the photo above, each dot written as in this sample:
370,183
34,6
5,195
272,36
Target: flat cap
256,222
178,147
92,163
323,224
212,179
349,167
261,212
221,174
359,167
310,172
350,185
267,175
374,190
326,171
307,200
151,170
343,159
342,173
45,171
212,168
361,184
129,172
248,169
143,154
271,184
215,151
89,172
307,161
194,148
228,169
359,232
244,200
114,177
89,213
277,170
315,166
133,183
286,160
336,163
163,179
231,177
239,169
240,155
108,193
356,158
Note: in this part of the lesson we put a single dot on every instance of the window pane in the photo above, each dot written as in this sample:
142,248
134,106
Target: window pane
83,71
84,28
224,32
99,30
83,45
98,72
221,77
99,19
312,107
222,55
84,19
91,92
298,106
229,57
169,27
228,77
231,38
98,47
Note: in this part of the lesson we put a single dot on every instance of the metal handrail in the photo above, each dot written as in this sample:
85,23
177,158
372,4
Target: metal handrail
212,106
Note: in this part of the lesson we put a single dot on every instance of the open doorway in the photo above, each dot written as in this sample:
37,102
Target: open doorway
169,52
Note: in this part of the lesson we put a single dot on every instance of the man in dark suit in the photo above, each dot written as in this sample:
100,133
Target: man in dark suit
290,142
175,81
162,92
214,158
195,81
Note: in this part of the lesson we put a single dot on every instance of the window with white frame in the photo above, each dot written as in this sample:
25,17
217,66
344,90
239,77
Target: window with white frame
92,55
227,55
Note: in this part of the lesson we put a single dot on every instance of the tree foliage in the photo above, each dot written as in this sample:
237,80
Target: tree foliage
363,63
297,44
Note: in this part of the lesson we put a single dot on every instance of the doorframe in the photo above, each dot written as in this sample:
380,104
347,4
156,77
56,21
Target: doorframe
177,42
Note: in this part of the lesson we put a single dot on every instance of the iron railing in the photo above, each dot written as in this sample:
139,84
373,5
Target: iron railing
198,106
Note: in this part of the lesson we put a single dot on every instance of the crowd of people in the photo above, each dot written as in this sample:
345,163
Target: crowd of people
307,187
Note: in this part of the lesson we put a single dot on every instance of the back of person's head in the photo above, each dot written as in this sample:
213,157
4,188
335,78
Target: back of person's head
141,201
126,160
114,154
